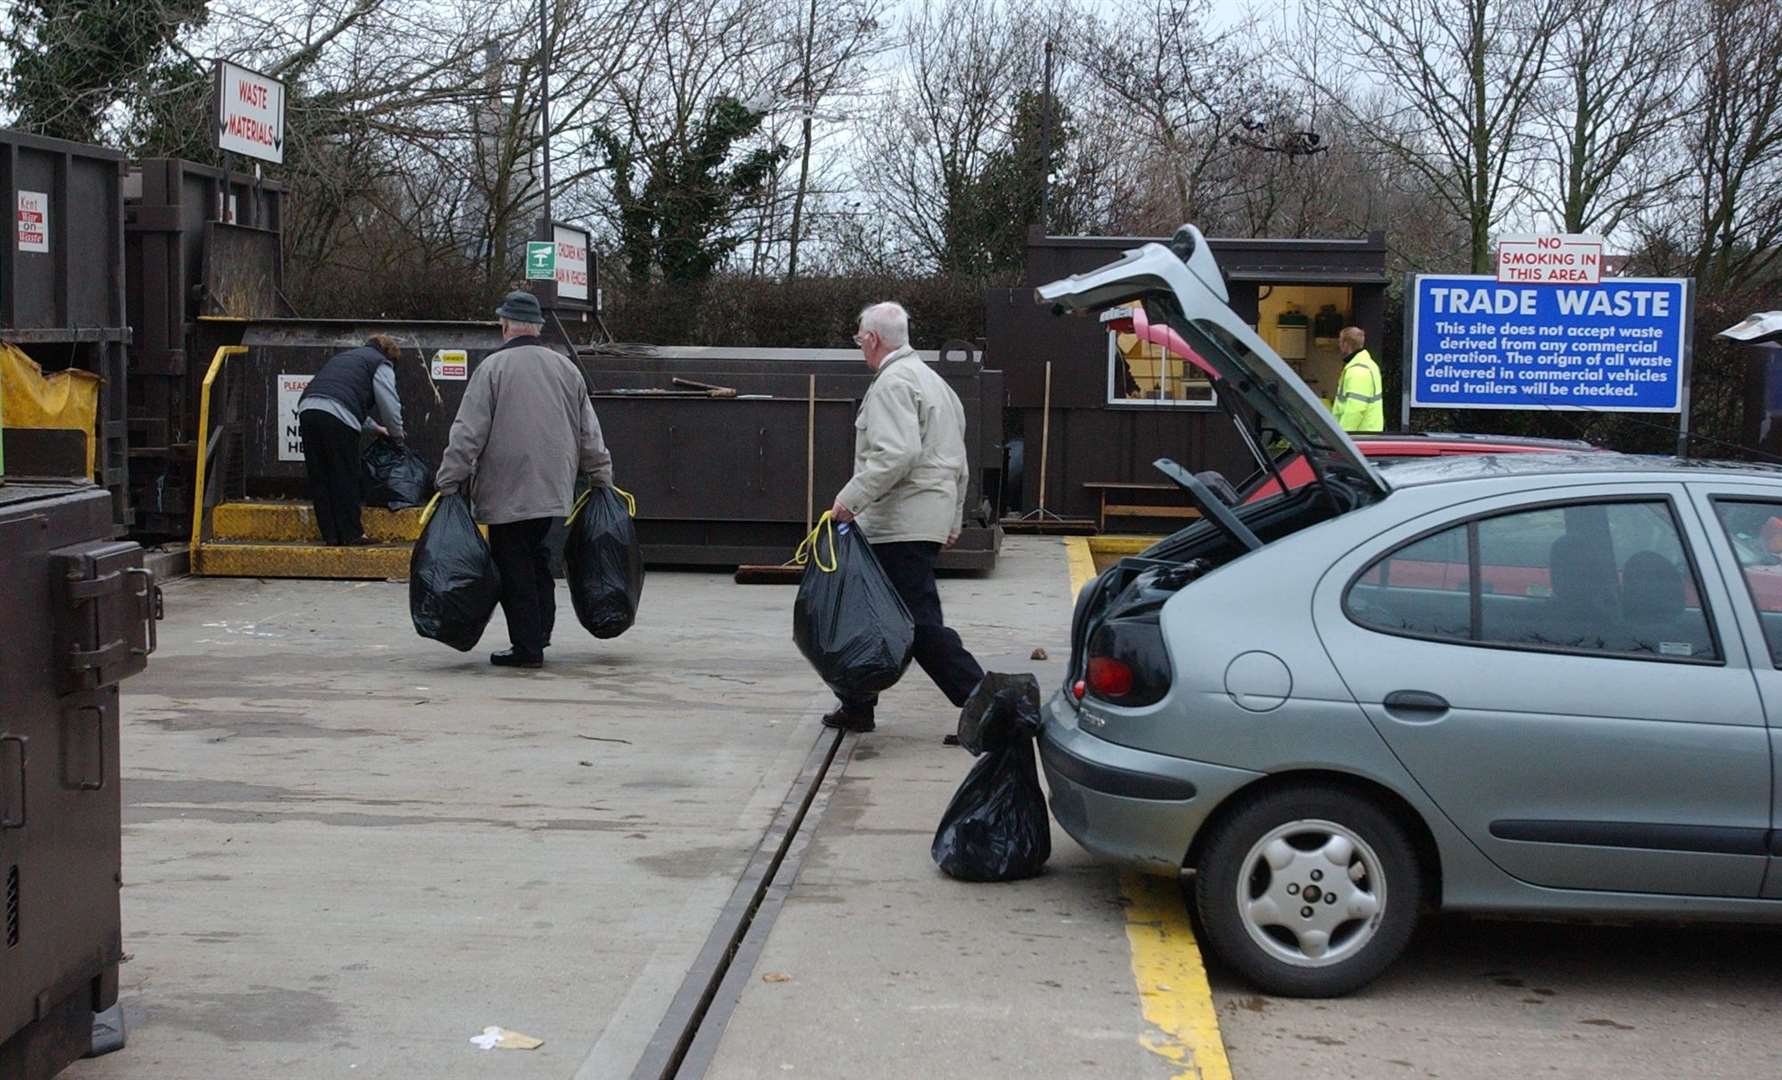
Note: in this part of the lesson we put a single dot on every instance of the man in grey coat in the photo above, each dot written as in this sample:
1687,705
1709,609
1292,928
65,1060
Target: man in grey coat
907,496
525,428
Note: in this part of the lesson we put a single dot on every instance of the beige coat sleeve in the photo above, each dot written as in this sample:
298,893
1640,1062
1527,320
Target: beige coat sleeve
892,445
595,459
964,486
470,432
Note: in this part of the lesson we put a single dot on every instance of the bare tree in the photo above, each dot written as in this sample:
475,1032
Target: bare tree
1462,76
966,62
1186,88
1737,152
833,42
1619,97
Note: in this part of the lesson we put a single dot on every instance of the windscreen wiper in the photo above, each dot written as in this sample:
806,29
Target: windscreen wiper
1210,505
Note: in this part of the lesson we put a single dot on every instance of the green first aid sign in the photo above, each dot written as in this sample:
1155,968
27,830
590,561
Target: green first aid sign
541,260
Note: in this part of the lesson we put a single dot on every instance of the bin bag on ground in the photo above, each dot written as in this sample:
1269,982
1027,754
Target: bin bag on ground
393,476
848,620
603,562
1001,709
996,827
453,583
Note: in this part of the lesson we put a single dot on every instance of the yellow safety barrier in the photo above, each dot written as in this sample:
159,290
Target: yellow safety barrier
210,378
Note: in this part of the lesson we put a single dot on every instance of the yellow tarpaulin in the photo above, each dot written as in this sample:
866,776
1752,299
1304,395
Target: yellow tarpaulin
65,400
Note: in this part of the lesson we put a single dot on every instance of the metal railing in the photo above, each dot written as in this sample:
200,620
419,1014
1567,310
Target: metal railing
208,441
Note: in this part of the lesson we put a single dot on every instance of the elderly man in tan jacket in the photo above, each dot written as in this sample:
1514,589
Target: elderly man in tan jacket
908,496
525,427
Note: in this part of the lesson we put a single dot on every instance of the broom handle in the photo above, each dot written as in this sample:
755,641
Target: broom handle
810,457
1045,435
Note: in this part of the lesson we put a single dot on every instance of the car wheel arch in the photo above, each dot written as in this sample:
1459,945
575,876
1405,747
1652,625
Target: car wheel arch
1429,855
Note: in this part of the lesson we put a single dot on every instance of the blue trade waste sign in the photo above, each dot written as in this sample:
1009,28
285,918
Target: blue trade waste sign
1476,343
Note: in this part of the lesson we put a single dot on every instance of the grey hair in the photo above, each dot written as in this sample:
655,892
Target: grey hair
889,321
507,322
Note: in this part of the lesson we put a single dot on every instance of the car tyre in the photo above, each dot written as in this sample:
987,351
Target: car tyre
1308,892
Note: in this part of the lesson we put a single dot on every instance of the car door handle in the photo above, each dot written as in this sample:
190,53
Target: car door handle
1416,705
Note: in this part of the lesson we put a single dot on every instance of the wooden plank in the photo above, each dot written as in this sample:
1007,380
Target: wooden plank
1153,511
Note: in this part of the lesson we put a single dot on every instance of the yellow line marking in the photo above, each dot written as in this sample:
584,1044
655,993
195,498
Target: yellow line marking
1082,563
1121,545
1166,964
1172,981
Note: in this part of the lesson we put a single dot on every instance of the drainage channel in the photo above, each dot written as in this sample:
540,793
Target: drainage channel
686,1040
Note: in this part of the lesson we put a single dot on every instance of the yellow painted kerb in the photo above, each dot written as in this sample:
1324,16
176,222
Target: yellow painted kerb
1172,981
1082,563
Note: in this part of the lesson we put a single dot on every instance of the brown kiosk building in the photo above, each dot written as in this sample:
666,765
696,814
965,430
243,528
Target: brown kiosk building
1118,404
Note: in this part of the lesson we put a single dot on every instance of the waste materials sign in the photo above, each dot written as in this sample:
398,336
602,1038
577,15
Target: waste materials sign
1476,343
290,438
250,113
33,221
541,260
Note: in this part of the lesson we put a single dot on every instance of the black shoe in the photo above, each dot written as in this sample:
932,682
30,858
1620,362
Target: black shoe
515,658
363,541
841,719
949,739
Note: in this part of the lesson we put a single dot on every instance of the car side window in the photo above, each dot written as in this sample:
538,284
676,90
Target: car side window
1422,588
1755,531
1601,577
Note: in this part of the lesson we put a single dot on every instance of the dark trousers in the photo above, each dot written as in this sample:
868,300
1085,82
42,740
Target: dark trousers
331,461
910,566
528,591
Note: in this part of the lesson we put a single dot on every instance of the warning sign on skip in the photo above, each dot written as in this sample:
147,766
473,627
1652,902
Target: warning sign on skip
290,438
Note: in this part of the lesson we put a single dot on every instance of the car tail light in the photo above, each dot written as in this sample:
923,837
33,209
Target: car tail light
1127,663
1108,677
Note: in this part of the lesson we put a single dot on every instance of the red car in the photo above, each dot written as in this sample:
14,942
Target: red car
1398,446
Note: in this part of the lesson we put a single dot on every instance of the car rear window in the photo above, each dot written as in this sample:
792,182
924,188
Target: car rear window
1601,577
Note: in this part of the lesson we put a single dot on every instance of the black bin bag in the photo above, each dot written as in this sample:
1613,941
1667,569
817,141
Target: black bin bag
393,476
603,561
1001,709
848,621
996,828
453,583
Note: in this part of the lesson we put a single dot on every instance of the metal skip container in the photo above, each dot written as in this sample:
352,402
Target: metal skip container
724,476
62,280
77,614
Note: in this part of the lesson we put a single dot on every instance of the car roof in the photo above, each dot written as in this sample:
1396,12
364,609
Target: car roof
1432,470
1469,440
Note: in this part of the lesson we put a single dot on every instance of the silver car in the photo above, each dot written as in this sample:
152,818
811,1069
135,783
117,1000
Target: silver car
1536,684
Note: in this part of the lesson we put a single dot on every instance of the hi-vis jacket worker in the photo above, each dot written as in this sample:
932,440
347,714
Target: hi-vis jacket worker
1358,404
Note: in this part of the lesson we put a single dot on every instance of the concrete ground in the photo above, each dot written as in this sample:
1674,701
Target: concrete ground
886,968
348,850
1475,998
